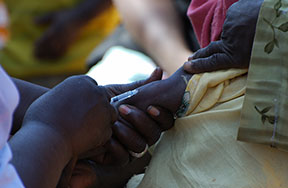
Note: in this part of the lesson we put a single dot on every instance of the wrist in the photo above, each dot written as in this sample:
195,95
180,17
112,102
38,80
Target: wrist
179,81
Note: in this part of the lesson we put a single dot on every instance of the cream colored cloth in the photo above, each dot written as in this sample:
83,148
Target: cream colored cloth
264,113
201,150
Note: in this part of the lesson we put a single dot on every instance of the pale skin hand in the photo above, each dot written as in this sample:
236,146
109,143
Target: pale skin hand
156,26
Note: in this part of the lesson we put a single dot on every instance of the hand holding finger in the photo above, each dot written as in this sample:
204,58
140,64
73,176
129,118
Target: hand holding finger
163,117
145,126
117,89
212,48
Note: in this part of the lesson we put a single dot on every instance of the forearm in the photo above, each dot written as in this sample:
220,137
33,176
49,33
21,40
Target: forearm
28,94
156,26
177,84
39,155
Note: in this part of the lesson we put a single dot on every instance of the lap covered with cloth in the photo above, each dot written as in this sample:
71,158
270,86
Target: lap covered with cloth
202,150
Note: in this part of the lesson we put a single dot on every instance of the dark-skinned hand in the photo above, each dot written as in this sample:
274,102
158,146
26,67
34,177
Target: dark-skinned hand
166,93
78,111
131,132
133,129
96,172
233,50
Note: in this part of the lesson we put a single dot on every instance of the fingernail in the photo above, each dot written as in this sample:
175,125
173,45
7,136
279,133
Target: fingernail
153,111
190,57
123,109
187,65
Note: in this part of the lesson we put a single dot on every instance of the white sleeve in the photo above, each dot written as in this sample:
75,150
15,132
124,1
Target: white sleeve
9,98
8,175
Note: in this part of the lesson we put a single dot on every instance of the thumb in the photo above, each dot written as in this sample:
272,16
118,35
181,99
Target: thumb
117,89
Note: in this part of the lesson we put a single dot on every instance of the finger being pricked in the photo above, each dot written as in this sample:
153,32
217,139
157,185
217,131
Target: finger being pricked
146,126
163,117
128,136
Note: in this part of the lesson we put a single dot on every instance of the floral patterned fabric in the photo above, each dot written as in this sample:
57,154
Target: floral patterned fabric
264,116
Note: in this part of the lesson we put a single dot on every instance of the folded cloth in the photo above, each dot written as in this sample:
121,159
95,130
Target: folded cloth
201,150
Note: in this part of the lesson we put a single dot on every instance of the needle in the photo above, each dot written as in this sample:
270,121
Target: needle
123,96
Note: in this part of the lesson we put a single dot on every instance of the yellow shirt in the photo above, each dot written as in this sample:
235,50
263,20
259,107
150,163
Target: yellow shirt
17,56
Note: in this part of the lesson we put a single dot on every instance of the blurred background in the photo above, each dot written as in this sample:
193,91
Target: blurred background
116,41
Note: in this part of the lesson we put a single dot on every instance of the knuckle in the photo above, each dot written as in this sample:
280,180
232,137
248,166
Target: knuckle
168,125
153,138
76,78
130,139
214,60
137,143
197,54
165,120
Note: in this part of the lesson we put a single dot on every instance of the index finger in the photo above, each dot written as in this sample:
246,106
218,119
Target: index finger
212,48
214,62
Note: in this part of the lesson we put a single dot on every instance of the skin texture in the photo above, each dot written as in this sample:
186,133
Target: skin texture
233,50
64,26
158,94
129,133
157,28
56,147
86,175
57,138
130,137
28,94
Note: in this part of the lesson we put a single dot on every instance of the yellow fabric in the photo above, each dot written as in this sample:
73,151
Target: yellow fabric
201,149
208,89
17,56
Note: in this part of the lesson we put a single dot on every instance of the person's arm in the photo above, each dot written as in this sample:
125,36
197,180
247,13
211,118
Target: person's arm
156,26
65,25
39,155
131,132
136,132
67,121
234,48
28,94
